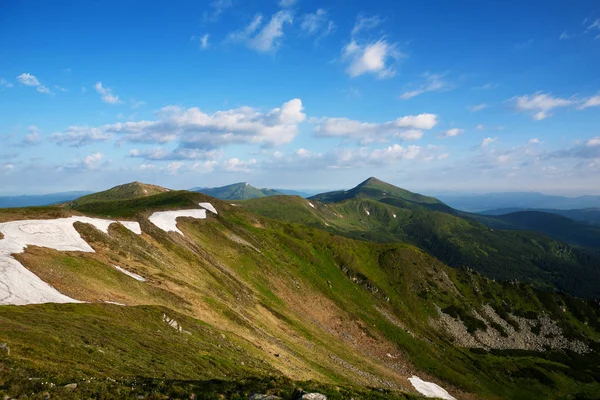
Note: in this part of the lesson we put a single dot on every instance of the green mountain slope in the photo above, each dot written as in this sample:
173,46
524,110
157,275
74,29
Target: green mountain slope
236,191
244,304
589,216
375,189
131,190
459,242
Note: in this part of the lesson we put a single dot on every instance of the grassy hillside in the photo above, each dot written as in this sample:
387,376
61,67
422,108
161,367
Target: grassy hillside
131,190
237,191
459,242
263,306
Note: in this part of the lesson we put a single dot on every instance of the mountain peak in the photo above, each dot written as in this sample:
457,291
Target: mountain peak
129,190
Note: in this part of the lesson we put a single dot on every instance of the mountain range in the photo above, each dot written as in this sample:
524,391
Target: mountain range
371,293
517,200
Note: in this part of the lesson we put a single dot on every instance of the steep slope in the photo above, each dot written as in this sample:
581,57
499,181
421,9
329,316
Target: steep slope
236,191
258,304
122,192
459,242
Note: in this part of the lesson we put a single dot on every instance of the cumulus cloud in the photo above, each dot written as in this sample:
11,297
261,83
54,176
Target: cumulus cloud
106,94
88,163
540,104
368,56
407,128
317,23
433,83
264,38
194,129
371,58
451,133
480,127
30,80
589,149
237,165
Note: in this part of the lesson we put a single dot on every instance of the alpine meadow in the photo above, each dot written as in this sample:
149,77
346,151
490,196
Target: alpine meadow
299,200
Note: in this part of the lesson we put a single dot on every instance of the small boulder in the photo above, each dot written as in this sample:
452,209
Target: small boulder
313,396
258,396
71,386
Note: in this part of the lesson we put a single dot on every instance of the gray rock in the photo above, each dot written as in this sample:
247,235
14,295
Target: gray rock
313,396
257,396
71,386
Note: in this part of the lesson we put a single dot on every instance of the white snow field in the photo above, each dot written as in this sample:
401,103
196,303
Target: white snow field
311,204
131,274
20,286
429,389
209,207
167,220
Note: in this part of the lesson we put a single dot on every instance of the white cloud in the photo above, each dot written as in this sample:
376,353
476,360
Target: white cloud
78,136
433,83
33,137
30,80
317,23
593,142
60,88
593,101
534,141
267,39
408,128
8,167
451,133
92,160
237,165
160,153
287,3
480,127
106,94
540,104
487,141
371,57
477,107
175,166
195,129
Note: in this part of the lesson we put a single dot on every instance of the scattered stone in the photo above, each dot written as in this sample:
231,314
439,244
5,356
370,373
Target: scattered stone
313,396
71,386
258,396
5,347
172,323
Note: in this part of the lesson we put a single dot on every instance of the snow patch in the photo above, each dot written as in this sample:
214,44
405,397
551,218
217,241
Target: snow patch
18,285
311,204
132,226
167,220
367,211
429,389
394,215
209,207
131,274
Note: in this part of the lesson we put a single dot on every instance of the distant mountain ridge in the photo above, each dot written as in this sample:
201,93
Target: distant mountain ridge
585,215
236,191
127,191
519,200
39,199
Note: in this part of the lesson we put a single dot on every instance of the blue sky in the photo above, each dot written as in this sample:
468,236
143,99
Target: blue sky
474,96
